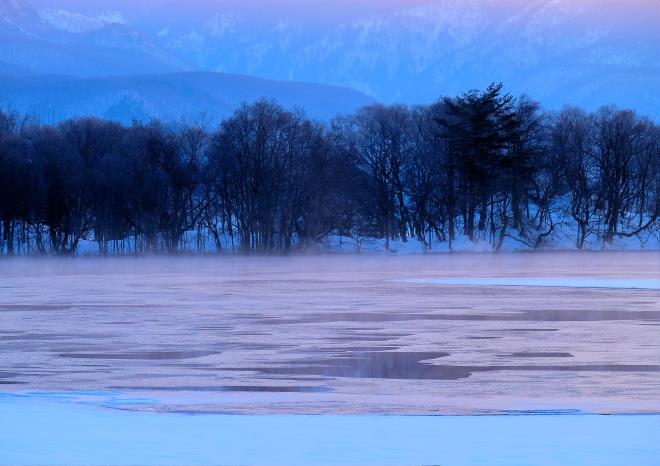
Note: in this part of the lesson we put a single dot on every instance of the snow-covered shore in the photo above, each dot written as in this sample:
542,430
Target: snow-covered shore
40,431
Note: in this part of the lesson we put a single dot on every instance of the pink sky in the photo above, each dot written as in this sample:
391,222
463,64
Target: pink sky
315,11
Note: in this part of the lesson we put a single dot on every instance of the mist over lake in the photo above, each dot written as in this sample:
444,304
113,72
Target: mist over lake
342,335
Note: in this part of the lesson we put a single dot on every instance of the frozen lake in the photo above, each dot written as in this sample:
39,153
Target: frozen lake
106,361
443,334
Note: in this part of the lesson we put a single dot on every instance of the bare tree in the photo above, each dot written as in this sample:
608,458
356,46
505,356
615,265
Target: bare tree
269,180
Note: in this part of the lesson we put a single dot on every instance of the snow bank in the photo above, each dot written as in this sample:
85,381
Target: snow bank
36,431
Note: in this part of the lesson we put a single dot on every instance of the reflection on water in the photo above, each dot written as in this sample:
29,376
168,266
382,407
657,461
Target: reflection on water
387,365
231,388
528,315
416,366
147,355
523,330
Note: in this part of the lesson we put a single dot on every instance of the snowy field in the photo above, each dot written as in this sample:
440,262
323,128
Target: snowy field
42,433
531,346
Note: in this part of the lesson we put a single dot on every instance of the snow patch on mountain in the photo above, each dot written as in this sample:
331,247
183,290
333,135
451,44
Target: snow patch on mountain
70,21
113,17
222,24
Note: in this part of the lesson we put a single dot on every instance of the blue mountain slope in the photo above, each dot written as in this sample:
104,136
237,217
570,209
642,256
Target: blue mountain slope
167,96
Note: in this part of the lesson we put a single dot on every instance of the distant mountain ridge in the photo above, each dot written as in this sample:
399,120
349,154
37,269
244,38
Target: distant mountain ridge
170,97
587,52
30,42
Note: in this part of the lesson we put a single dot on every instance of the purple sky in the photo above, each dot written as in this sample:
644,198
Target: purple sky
326,11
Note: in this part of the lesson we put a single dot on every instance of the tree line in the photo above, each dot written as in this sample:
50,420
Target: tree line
483,166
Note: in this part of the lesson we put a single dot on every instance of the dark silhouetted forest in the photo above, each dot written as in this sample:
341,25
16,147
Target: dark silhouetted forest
484,166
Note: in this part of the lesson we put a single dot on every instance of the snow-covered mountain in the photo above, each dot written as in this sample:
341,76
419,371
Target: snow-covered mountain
64,42
584,52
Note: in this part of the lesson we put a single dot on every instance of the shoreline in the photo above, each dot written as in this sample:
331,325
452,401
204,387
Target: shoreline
47,434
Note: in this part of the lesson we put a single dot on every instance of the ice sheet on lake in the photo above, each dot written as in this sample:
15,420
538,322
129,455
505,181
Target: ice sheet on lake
563,282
